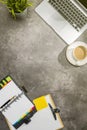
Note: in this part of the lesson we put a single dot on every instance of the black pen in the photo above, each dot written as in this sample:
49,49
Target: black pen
54,111
8,101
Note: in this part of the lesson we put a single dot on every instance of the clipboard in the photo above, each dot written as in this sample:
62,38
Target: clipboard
43,117
49,103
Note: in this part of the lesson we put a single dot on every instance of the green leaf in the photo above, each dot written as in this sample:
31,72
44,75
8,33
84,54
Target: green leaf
16,6
13,13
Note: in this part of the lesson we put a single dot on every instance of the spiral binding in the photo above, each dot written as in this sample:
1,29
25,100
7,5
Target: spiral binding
14,100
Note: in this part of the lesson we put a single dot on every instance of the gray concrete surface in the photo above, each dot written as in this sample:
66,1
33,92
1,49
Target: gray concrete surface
32,53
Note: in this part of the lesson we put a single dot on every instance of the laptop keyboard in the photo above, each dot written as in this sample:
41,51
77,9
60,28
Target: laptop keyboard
70,12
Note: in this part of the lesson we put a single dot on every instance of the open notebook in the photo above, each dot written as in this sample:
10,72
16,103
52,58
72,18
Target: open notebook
14,104
43,118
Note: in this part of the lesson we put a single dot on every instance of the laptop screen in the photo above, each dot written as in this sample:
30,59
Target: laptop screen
83,2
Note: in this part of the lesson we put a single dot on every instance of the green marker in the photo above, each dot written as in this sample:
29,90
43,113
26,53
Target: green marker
8,79
1,85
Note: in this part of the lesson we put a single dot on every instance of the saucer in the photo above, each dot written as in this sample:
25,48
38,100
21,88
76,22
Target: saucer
70,57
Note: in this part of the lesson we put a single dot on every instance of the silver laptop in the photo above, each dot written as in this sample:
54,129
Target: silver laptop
67,17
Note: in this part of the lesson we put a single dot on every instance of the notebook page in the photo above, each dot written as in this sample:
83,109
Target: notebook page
17,109
8,92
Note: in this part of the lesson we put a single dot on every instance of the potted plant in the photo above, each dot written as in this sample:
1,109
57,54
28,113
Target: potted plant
16,6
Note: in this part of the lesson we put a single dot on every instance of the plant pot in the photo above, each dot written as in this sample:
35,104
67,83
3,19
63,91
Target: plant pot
22,14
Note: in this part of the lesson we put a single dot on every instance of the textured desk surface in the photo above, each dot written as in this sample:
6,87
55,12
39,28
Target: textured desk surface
32,53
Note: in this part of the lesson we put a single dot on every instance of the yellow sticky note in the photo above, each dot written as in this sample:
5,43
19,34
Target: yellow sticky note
40,103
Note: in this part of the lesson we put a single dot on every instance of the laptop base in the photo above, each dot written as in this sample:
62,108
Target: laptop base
58,23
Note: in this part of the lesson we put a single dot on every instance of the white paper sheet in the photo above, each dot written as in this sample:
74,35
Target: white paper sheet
17,109
8,92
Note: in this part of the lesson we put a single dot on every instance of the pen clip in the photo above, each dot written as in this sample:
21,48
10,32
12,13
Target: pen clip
24,89
54,111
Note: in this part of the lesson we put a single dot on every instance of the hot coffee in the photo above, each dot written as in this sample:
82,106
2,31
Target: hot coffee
80,53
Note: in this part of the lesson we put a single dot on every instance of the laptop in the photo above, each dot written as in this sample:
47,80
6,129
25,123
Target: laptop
68,18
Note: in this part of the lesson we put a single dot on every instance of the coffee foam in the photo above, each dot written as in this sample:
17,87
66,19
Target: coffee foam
80,52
